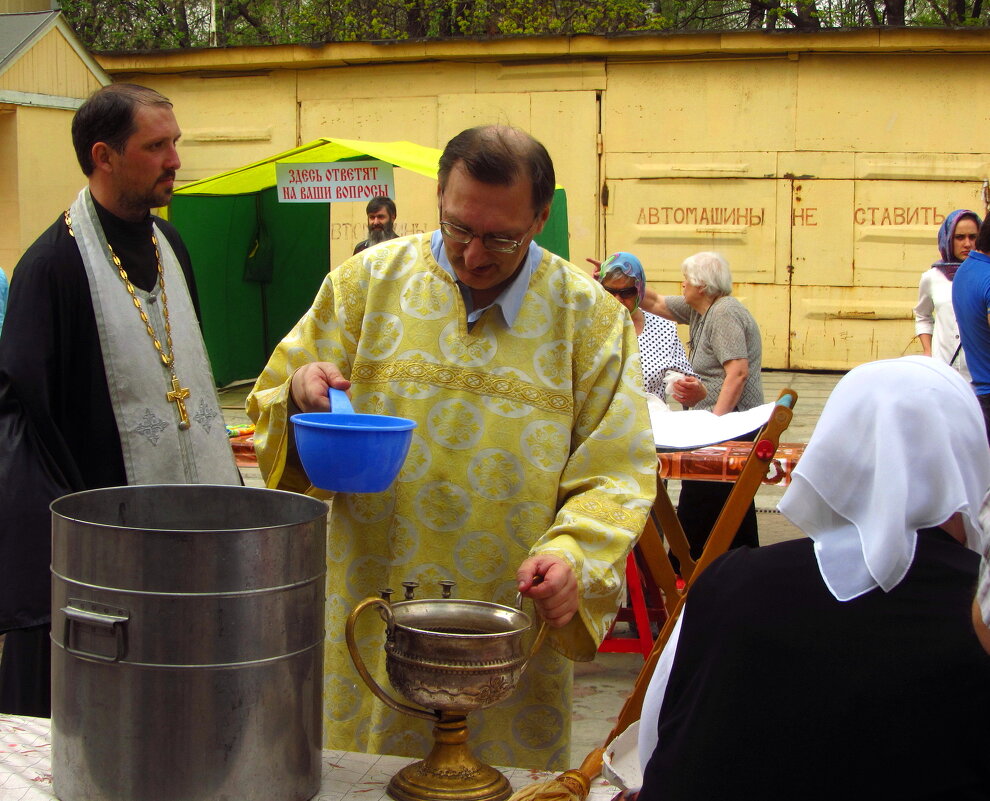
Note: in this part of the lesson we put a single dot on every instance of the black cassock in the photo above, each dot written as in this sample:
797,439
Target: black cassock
780,691
57,425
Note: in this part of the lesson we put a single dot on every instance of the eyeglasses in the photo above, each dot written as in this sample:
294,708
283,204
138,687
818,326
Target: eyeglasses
626,294
463,236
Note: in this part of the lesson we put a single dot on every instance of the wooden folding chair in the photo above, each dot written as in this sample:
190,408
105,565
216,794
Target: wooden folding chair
663,518
657,562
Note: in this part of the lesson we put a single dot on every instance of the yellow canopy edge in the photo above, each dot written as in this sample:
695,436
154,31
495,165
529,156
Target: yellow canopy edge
261,175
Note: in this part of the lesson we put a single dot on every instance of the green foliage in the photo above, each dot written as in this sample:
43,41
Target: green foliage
532,17
134,24
114,25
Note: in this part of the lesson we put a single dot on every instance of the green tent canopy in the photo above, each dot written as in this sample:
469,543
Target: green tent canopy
259,263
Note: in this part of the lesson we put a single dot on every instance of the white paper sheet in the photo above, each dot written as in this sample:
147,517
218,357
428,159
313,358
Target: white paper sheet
620,762
685,431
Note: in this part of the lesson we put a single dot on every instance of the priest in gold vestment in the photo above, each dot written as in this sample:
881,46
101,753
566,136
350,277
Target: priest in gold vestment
532,468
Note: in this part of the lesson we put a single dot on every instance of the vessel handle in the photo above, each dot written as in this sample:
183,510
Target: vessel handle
541,634
374,686
117,623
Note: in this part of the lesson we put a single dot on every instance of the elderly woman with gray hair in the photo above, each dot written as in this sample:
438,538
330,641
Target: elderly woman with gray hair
726,353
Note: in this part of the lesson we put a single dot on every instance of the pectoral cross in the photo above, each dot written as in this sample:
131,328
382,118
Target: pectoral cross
178,396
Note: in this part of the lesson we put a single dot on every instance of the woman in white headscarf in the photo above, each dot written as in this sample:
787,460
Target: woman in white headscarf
845,663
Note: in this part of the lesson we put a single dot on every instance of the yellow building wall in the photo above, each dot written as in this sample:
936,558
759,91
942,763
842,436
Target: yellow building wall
18,6
10,233
40,176
50,67
820,165
48,178
42,181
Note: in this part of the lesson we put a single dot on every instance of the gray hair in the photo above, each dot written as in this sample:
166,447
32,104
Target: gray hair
710,272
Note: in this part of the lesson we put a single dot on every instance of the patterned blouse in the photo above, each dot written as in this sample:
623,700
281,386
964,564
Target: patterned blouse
660,350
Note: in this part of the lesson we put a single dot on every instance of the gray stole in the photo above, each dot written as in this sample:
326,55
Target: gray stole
155,450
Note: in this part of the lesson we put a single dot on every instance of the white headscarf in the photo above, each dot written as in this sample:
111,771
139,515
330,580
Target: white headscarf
901,445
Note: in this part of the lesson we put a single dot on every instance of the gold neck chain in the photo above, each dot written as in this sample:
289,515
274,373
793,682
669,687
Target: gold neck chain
178,393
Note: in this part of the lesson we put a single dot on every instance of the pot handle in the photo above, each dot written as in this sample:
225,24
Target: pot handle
114,621
374,686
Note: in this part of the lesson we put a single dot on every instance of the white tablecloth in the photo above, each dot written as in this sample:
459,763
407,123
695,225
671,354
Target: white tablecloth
26,770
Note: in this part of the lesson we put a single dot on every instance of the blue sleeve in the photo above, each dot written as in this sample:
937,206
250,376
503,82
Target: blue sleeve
3,295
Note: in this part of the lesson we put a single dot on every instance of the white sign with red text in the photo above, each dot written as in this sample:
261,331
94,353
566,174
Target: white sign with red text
334,182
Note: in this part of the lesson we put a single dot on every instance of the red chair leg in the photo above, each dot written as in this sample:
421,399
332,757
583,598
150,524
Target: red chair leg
643,641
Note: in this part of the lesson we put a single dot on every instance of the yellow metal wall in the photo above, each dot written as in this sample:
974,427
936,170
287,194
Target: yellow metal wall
821,177
228,121
820,165
422,103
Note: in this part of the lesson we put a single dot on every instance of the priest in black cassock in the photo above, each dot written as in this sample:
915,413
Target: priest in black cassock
104,377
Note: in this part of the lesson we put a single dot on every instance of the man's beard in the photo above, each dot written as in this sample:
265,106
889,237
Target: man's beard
376,235
142,202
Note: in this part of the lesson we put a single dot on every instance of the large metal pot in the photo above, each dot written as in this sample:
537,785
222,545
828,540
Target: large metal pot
187,633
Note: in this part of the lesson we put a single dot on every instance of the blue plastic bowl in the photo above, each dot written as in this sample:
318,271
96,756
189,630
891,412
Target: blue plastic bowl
346,452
